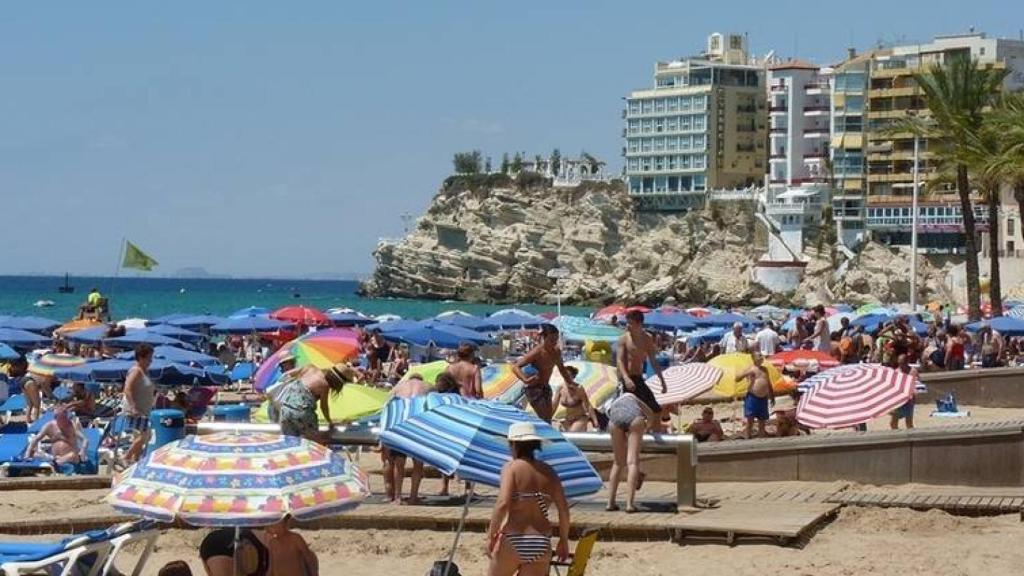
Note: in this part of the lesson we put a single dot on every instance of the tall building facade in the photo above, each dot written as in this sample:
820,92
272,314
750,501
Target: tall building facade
873,160
702,126
798,109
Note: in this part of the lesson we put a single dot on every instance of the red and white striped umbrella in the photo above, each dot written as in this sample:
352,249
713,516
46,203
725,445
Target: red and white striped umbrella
852,394
684,381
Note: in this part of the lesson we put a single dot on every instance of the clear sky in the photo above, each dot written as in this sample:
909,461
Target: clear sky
285,138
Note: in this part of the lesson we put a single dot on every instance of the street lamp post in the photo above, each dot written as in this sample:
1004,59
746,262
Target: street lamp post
913,230
557,274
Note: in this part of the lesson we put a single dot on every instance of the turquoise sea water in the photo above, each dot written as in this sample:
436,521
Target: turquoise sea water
151,297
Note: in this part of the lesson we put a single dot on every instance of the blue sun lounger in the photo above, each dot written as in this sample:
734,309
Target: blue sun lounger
91,553
14,463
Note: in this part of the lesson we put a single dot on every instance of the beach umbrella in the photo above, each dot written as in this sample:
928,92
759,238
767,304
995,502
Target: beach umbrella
769,311
440,335
1005,325
237,480
871,308
697,337
248,325
387,317
725,320
500,383
578,329
133,323
196,322
729,385
428,371
76,325
684,382
136,337
399,325
514,319
175,332
29,324
160,371
398,410
92,336
23,339
669,321
607,312
853,394
249,312
702,312
48,364
1015,312
301,316
835,321
178,356
168,317
464,320
349,319
599,380
8,353
320,349
353,402
803,359
470,439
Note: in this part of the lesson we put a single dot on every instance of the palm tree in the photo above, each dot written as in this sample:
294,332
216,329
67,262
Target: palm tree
958,93
1007,120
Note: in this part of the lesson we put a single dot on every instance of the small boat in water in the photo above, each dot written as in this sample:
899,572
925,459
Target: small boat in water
67,288
43,303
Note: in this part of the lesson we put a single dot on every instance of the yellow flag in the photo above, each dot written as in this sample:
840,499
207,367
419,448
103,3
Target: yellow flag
137,259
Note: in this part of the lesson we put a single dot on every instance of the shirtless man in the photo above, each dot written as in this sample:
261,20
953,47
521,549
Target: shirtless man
544,358
466,371
68,444
759,395
635,347
706,428
394,461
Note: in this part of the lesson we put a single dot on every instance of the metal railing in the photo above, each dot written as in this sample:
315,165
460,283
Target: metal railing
682,445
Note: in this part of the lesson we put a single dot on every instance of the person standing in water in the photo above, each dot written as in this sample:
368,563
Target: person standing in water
759,395
544,358
636,347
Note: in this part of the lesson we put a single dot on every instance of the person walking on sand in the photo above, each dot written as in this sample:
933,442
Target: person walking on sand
394,461
759,396
519,535
906,411
139,398
467,372
544,358
636,347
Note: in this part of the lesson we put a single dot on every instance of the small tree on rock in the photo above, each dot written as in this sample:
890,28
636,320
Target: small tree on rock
467,162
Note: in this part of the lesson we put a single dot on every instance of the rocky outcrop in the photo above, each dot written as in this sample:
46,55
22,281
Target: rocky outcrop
494,240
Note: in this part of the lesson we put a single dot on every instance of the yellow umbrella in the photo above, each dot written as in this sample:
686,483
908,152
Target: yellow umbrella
733,364
353,402
429,371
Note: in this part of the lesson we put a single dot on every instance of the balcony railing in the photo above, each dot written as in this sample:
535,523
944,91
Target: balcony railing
780,87
823,108
816,86
777,157
779,130
816,156
781,108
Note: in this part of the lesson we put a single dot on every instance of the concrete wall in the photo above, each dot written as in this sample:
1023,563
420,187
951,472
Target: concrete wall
992,387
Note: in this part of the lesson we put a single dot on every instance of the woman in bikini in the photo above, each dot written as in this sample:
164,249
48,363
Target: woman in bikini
628,420
519,536
578,410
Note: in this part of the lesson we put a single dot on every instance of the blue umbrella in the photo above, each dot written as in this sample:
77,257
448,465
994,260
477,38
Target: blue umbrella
248,325
29,324
136,337
168,317
196,322
670,321
706,335
22,339
471,440
395,326
465,321
1005,325
250,312
398,410
513,318
91,336
725,319
179,356
1015,312
161,371
8,353
871,322
442,336
349,319
175,332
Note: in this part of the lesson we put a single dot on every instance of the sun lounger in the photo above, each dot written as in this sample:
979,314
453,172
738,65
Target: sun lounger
13,462
91,554
14,404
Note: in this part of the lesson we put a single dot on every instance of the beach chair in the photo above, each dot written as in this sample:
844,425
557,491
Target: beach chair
116,440
83,554
576,565
125,534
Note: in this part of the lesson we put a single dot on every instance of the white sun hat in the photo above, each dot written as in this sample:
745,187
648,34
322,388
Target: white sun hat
523,432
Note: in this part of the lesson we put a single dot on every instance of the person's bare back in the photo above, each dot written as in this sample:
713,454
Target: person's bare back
467,374
409,388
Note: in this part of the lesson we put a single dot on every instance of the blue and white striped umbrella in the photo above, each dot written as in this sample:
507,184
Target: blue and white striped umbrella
398,410
471,440
1015,312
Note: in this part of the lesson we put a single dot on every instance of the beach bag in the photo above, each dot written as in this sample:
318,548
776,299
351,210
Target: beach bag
438,569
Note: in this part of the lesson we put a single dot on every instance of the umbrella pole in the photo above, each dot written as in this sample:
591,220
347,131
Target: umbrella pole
235,560
458,533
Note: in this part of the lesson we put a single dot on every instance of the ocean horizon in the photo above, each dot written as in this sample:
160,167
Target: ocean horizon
151,297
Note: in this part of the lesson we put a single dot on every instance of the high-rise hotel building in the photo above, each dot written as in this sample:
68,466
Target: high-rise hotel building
701,127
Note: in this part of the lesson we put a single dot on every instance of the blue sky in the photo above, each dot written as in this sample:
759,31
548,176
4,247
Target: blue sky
285,138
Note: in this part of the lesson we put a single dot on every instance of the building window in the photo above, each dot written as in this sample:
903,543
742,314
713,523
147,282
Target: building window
1011,224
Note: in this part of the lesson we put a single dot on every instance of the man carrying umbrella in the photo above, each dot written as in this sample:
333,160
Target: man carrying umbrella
544,358
635,347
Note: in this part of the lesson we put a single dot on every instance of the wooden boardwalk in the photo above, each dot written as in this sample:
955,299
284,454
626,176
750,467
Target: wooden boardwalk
967,501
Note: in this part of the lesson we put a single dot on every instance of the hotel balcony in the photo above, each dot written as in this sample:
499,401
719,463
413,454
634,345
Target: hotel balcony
815,156
814,88
816,132
777,88
775,130
778,109
816,110
776,157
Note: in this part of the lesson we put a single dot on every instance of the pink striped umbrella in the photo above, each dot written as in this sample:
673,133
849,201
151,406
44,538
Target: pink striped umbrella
684,381
853,394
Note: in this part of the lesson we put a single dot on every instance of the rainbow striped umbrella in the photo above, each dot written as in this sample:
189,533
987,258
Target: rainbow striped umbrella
239,480
500,383
853,394
684,381
599,380
47,364
320,349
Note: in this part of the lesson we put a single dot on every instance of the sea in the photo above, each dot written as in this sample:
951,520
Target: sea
143,297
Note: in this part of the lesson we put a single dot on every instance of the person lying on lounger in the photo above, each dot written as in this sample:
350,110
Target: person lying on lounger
67,442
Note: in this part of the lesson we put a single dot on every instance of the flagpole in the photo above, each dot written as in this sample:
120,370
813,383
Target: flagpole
117,267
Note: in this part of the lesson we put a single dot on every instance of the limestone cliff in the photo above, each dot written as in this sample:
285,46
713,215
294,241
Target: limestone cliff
492,239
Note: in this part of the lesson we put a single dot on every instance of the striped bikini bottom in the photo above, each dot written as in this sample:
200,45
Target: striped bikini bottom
529,547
